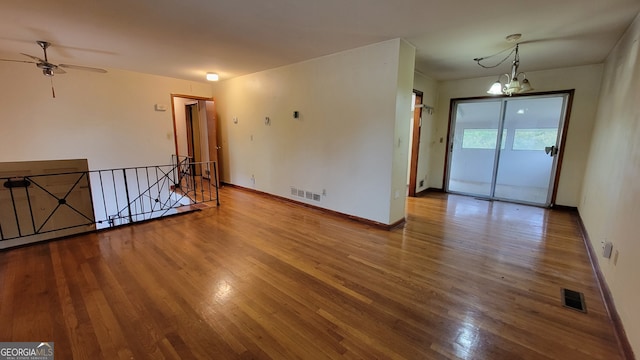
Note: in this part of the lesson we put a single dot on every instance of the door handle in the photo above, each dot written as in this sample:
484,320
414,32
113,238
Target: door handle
551,150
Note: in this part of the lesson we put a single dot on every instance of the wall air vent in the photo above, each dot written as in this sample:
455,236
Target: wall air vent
308,195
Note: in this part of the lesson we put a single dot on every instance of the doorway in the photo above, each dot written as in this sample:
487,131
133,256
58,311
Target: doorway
195,133
194,146
507,148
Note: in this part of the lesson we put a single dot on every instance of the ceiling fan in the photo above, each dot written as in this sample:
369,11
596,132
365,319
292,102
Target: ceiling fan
50,69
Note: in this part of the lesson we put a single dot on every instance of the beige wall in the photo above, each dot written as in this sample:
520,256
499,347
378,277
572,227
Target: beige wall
610,202
586,82
343,144
108,119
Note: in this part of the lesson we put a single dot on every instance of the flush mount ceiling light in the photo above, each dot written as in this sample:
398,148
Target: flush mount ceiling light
212,76
513,85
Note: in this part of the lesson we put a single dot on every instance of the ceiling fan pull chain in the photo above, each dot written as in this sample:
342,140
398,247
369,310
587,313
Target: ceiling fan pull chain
53,91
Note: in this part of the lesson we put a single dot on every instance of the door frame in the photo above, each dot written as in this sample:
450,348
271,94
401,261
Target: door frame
563,136
212,128
415,142
194,144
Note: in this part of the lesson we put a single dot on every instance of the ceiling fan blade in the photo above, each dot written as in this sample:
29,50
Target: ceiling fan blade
33,57
57,70
85,68
22,61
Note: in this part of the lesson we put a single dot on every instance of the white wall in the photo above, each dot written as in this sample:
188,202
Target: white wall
343,142
404,92
107,118
586,82
610,202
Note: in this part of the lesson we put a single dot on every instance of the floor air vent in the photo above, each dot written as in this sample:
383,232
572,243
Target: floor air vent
573,300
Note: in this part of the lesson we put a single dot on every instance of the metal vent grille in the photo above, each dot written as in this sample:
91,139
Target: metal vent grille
308,195
573,300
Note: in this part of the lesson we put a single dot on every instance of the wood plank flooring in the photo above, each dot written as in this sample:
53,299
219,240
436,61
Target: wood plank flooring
259,278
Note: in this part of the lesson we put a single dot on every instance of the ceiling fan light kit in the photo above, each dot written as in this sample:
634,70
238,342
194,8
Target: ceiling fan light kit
513,84
50,69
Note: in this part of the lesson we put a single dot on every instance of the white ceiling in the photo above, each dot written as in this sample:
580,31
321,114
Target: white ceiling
185,39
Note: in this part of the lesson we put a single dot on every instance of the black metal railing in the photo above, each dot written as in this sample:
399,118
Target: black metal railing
65,203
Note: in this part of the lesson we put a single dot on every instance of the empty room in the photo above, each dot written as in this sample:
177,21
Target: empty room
319,180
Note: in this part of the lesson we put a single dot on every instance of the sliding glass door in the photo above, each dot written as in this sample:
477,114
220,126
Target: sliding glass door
506,148
475,136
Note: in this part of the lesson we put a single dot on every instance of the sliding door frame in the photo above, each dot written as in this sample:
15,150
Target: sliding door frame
563,136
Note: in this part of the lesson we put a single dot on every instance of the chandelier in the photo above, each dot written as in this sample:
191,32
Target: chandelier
517,82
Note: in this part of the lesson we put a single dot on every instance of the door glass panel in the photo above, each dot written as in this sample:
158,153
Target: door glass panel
524,169
474,147
481,139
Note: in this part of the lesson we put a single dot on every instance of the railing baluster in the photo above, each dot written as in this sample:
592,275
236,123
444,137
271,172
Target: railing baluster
104,199
115,194
210,176
139,193
149,194
126,191
215,184
88,177
15,212
158,183
33,221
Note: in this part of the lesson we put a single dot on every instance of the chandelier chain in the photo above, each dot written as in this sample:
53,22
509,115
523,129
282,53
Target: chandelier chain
513,49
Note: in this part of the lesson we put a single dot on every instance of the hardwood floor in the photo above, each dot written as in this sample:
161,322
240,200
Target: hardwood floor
261,278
